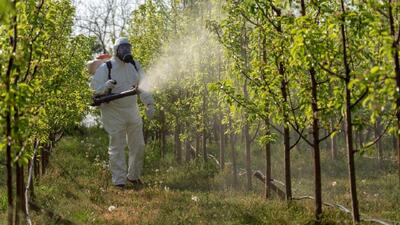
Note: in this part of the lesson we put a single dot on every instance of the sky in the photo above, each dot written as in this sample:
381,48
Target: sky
82,11
82,4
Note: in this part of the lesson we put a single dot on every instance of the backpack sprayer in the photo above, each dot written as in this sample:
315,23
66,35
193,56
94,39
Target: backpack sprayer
105,98
97,100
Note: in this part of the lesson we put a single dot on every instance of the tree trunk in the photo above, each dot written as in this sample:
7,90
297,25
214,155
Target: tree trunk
188,152
198,137
28,191
204,131
349,127
379,149
350,154
248,156
163,149
234,162
13,43
10,198
216,129
18,202
178,143
325,144
232,140
247,141
334,152
32,185
36,167
45,157
286,134
204,146
288,180
20,197
222,144
316,147
396,62
286,131
268,166
316,140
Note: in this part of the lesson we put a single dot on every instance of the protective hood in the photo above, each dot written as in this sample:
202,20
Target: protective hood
123,50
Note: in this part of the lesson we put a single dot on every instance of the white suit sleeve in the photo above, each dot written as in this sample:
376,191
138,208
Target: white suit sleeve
145,96
99,79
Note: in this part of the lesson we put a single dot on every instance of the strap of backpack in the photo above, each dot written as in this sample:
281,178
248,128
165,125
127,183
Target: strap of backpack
134,64
109,66
137,70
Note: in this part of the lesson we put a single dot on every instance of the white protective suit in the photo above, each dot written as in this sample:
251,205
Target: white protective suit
121,117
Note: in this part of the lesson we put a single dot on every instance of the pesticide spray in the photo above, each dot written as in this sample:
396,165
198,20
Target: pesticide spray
178,60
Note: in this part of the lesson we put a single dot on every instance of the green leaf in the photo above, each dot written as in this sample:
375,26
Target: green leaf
374,69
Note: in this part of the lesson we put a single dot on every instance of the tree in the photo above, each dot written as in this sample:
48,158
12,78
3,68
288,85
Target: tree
106,21
34,59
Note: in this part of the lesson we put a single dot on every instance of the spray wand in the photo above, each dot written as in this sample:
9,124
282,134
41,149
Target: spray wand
97,100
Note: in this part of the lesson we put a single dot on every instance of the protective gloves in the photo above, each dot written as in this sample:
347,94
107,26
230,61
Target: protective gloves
110,84
150,111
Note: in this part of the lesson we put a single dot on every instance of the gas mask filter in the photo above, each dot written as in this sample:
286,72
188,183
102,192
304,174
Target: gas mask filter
124,53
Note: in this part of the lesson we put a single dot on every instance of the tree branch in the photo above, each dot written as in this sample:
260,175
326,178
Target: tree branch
267,17
297,141
330,71
255,134
276,9
249,20
300,133
344,209
359,99
28,184
379,137
331,132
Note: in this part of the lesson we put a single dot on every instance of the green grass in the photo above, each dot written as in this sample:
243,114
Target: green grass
78,187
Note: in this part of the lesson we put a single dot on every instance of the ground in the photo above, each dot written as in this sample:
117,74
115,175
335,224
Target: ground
77,190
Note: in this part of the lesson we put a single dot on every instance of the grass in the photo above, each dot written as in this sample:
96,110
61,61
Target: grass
78,187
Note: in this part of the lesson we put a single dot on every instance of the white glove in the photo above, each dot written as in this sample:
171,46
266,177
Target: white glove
110,84
150,111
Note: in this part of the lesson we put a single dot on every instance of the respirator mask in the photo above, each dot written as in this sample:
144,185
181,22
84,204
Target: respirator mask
124,53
